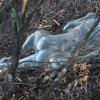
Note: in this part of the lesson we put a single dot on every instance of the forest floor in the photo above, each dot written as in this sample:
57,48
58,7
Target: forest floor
81,82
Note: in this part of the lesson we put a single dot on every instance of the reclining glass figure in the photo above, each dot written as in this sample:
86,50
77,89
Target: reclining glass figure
48,47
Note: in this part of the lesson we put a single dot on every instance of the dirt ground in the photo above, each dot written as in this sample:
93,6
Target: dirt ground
81,82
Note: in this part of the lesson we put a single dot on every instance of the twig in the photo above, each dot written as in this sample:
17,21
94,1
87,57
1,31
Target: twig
85,39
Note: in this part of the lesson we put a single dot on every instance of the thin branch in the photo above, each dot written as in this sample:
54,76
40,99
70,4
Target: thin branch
24,10
85,39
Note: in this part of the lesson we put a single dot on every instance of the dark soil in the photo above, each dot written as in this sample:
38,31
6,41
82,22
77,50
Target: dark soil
81,82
